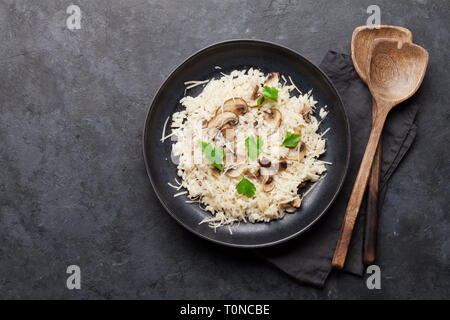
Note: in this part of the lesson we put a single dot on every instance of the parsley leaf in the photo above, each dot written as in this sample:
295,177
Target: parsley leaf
254,146
246,188
213,154
259,101
291,140
270,93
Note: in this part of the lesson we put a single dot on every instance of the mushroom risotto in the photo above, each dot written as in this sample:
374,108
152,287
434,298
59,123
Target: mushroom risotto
246,145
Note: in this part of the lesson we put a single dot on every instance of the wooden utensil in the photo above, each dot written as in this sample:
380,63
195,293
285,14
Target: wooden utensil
395,70
363,37
361,40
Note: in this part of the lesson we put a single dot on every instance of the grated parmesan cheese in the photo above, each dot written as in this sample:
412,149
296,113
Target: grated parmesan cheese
323,113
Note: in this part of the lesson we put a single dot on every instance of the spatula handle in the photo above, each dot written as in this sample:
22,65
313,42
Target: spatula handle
356,197
371,227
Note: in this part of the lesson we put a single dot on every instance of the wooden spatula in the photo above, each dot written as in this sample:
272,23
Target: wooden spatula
361,40
395,71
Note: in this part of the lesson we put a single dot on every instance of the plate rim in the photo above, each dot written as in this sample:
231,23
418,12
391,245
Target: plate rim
151,108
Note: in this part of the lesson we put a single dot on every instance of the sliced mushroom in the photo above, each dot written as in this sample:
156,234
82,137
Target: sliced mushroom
272,168
250,173
306,113
297,153
296,203
279,165
273,118
253,102
228,132
299,129
215,172
285,205
306,116
221,120
266,179
230,158
258,174
234,164
282,165
302,185
235,172
263,173
236,105
269,184
272,80
255,94
264,162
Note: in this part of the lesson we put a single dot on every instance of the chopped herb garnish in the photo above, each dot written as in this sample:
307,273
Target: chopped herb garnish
270,93
259,101
246,187
291,140
254,146
213,154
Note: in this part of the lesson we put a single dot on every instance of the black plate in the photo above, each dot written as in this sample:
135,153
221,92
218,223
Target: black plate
243,54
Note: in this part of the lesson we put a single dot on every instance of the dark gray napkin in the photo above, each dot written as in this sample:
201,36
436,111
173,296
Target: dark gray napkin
308,257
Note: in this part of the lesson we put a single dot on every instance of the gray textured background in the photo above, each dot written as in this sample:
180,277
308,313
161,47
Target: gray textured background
73,187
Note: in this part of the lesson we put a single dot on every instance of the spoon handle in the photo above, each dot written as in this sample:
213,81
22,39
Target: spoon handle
371,227
356,197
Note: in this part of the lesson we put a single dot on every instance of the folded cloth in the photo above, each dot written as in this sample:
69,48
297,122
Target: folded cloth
308,257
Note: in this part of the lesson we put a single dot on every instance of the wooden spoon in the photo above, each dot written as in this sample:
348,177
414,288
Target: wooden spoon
395,71
361,40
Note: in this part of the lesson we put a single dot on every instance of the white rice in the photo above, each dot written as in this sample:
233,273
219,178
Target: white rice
217,192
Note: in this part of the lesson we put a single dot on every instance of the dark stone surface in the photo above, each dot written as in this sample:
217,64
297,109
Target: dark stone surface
73,187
